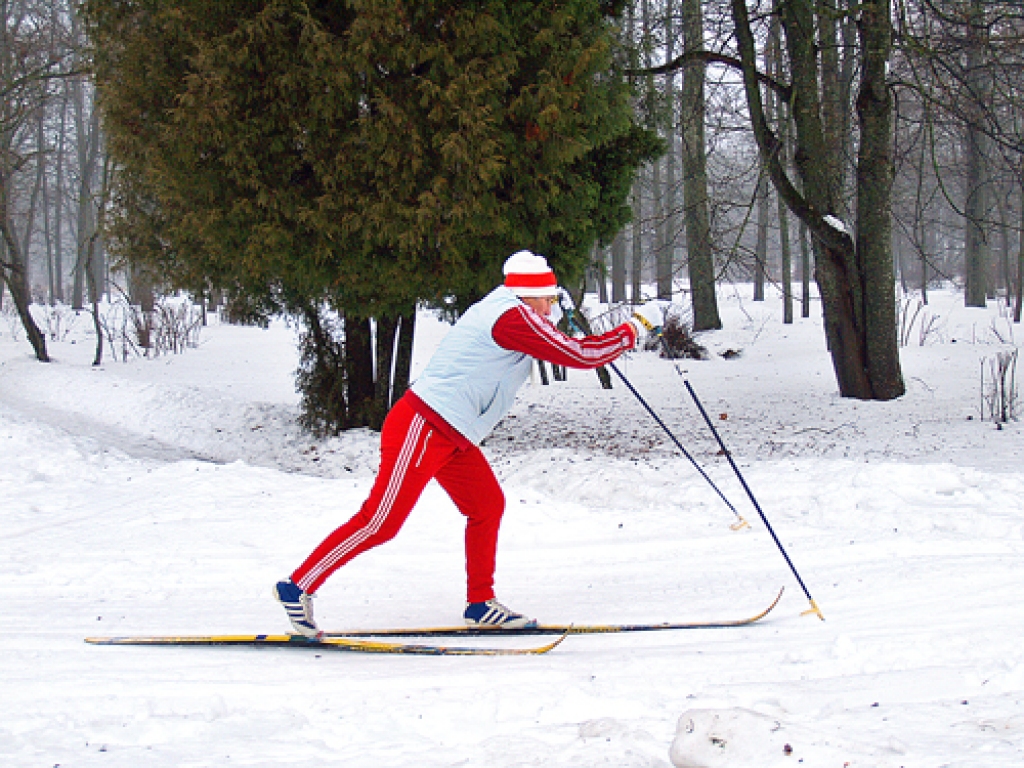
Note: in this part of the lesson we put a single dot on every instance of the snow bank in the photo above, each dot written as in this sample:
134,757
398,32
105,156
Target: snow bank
163,496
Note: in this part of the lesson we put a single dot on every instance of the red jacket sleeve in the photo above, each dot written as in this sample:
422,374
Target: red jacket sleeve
520,329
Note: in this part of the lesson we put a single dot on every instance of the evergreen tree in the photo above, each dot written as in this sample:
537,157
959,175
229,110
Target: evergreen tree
363,156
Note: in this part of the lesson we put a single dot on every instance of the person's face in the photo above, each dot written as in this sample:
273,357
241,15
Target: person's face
540,304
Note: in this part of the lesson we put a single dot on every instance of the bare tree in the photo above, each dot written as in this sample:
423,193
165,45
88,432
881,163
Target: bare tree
960,72
854,269
619,268
697,225
978,190
41,58
762,220
28,64
1020,263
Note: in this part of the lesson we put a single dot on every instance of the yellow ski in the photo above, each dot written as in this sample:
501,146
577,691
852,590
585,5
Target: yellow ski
551,629
323,643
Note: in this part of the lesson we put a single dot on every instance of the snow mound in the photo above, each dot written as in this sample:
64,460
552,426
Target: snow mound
708,738
734,736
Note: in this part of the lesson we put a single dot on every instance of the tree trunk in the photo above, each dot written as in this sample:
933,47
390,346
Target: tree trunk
580,321
140,294
874,207
403,354
781,121
58,209
848,70
976,244
922,232
94,296
929,240
14,263
902,268
805,272
669,228
833,106
320,377
362,405
597,272
619,268
787,265
394,334
51,286
637,261
87,130
543,370
33,201
855,277
761,247
1020,264
670,191
97,276
696,217
386,331
662,257
636,200
772,62
1003,278
13,274
371,390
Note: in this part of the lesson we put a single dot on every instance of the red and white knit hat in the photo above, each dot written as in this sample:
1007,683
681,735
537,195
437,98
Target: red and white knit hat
528,275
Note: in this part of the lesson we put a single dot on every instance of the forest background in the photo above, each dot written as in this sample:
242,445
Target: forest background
853,155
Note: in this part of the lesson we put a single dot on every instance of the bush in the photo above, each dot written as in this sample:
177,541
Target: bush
171,327
999,391
320,378
241,309
677,333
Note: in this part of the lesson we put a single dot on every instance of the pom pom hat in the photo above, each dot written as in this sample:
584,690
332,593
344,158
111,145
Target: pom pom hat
528,275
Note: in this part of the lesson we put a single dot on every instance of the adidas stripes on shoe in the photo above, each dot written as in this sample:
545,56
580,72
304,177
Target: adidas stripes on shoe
299,607
491,613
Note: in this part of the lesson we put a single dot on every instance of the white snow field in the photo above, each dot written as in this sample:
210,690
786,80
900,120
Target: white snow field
166,496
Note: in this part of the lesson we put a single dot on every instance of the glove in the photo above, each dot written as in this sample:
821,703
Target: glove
649,318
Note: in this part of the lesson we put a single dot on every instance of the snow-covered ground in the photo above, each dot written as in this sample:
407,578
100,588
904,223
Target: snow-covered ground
166,496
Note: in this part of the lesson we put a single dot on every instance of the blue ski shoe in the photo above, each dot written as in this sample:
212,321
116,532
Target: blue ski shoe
299,607
491,613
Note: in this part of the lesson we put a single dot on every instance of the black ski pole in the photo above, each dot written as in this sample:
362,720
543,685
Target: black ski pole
740,522
707,420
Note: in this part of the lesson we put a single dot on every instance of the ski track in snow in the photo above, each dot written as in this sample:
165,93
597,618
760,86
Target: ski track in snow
165,496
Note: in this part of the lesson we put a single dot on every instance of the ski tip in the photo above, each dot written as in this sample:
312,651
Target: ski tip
558,641
767,610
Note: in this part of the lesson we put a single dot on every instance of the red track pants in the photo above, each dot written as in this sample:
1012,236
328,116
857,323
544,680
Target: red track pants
411,454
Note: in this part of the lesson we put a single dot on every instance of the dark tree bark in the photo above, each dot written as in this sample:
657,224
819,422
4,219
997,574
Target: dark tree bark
637,250
977,251
580,321
363,408
781,118
854,276
387,328
696,218
15,276
619,268
761,246
805,272
874,205
403,354
1020,265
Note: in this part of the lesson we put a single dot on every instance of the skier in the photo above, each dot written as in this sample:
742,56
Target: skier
435,429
